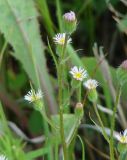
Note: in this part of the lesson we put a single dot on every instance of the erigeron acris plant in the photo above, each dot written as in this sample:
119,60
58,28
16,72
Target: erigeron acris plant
80,75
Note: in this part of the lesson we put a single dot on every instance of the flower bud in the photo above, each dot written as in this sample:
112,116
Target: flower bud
79,110
92,95
38,105
70,22
122,147
122,73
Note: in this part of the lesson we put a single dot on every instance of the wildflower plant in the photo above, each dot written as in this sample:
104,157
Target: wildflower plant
73,83
78,74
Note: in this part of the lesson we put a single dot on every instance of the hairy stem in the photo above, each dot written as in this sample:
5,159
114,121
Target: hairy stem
79,92
60,96
113,123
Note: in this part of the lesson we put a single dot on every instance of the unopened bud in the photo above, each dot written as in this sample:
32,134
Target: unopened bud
70,22
122,73
79,109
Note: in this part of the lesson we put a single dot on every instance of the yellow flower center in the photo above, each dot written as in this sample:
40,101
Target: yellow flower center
62,40
78,75
123,139
33,98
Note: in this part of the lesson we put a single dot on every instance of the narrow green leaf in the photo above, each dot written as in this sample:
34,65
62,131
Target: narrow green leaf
37,153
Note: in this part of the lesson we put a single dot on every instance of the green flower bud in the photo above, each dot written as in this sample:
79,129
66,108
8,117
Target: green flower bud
122,147
38,105
79,110
70,22
122,73
92,95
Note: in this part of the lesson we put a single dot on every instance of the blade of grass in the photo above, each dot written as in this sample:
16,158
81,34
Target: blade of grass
45,14
83,147
37,153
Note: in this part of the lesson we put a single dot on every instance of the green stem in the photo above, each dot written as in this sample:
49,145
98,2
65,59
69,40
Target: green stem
56,151
60,96
79,92
113,123
47,133
101,123
83,148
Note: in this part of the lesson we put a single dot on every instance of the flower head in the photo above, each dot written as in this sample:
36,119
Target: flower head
33,96
69,22
91,84
69,16
60,39
122,137
78,73
2,157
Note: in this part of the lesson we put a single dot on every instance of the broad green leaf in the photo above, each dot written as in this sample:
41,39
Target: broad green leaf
20,27
71,123
34,122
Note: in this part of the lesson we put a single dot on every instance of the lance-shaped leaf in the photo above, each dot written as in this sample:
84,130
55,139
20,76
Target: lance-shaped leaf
18,23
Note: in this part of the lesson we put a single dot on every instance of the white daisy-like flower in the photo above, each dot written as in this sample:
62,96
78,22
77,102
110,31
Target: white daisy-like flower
32,96
60,39
90,84
78,73
2,157
122,137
